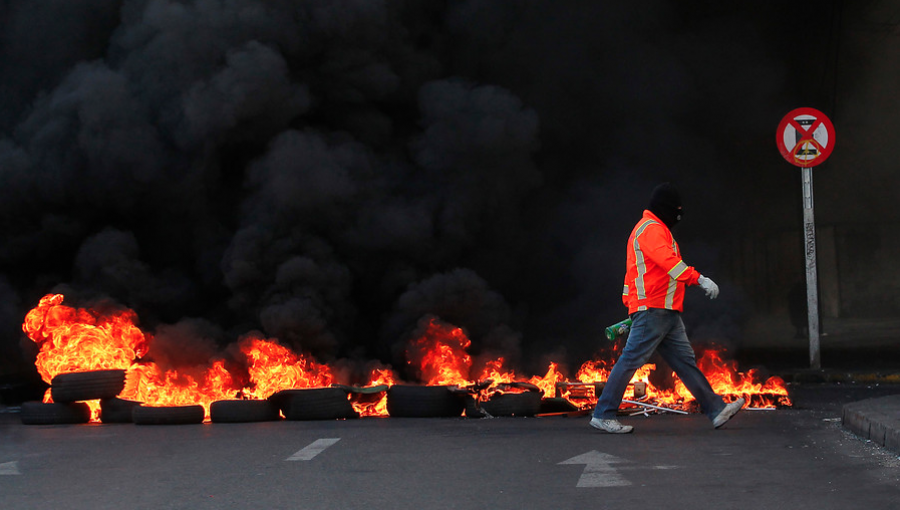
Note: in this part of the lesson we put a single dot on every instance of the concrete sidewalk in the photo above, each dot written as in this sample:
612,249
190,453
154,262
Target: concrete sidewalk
875,419
853,351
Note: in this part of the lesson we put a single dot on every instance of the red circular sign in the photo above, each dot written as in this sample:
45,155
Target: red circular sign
805,137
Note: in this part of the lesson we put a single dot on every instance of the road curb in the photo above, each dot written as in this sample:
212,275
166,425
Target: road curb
876,419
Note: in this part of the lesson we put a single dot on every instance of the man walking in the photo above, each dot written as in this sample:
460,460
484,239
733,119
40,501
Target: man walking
655,279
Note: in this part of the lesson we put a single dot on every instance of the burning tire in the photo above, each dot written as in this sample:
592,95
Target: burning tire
242,411
408,401
315,404
512,404
39,413
172,415
97,384
117,410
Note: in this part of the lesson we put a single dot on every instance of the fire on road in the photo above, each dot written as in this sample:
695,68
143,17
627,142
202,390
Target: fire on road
77,340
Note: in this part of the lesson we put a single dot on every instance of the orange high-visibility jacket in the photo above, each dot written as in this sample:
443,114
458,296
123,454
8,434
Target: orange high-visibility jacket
655,275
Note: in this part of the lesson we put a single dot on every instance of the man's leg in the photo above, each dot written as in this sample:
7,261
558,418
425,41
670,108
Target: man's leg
678,353
648,329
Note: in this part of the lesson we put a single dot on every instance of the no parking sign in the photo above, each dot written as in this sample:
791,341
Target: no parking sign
805,137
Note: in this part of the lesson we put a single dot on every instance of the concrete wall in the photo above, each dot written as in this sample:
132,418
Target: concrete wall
857,272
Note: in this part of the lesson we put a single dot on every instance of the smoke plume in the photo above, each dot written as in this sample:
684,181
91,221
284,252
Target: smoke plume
330,171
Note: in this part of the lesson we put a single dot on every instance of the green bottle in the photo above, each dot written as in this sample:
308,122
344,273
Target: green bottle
618,330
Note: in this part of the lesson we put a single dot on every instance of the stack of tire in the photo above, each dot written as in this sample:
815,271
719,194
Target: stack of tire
69,391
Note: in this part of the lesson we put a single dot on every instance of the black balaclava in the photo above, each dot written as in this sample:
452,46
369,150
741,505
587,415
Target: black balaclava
665,203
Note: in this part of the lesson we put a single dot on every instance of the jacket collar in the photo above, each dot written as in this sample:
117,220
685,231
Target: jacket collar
650,216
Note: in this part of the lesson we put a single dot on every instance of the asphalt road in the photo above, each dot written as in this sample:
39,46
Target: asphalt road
790,458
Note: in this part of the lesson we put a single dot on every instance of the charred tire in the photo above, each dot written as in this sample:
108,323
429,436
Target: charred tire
242,411
172,415
117,410
408,401
39,413
473,408
315,404
513,404
97,384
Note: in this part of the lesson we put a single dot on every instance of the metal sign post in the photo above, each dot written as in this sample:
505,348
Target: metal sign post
805,138
812,282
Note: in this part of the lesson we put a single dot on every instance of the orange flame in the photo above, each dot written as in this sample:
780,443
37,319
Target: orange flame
727,381
80,340
548,382
494,371
148,384
273,367
77,340
723,377
597,371
366,407
440,354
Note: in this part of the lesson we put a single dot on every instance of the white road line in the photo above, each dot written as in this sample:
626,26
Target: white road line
10,468
315,448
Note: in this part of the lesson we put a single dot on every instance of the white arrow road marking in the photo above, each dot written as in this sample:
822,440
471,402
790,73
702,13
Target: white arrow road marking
315,448
599,472
10,468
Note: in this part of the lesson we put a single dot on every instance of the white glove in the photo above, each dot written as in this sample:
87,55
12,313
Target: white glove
712,290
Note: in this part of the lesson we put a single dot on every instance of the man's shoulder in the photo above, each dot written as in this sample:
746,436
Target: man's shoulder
650,229
646,219
651,224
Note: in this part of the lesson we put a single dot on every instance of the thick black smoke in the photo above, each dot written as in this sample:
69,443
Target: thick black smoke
330,171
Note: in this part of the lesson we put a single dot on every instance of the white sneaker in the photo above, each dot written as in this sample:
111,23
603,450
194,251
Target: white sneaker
727,413
611,426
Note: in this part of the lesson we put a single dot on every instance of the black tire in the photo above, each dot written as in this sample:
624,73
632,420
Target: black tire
513,404
117,410
97,384
172,415
242,411
409,401
39,413
315,404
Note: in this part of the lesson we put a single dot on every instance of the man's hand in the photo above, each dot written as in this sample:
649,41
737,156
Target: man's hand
712,290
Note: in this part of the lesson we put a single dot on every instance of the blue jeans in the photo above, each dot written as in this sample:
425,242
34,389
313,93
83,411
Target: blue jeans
659,330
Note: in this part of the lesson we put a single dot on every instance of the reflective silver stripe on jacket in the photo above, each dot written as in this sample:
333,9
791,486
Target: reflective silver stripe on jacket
670,293
639,262
674,273
679,268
